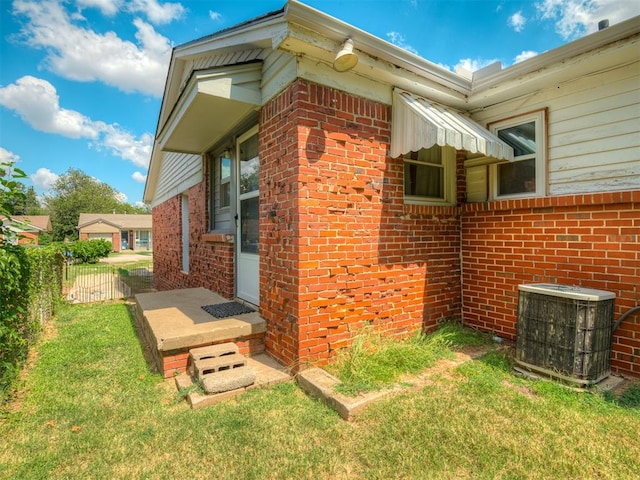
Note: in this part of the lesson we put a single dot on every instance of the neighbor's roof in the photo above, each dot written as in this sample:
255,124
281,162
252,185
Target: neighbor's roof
31,222
123,221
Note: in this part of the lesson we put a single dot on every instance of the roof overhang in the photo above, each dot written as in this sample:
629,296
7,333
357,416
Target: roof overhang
418,123
98,221
212,101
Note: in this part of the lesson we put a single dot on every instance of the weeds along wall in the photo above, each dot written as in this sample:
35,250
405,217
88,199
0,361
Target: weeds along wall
590,240
340,249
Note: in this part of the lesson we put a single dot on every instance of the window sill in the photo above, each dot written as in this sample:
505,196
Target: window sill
429,203
215,237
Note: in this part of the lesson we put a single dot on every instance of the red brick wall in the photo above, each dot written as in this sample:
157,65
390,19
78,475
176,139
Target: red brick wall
588,240
210,255
339,248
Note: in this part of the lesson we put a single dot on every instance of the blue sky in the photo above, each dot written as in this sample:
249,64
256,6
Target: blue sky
81,81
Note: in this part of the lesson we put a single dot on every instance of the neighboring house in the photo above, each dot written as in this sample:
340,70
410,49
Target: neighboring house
395,194
124,231
28,228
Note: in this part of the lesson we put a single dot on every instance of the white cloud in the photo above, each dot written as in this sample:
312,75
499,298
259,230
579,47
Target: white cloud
575,18
44,178
517,21
156,12
6,156
472,65
37,103
525,55
84,55
139,177
107,7
398,40
121,197
215,15
124,145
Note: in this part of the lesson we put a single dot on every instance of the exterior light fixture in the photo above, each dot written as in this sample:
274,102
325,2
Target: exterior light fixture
345,59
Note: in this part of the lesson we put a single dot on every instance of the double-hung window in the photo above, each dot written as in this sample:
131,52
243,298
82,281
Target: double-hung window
525,176
221,190
429,176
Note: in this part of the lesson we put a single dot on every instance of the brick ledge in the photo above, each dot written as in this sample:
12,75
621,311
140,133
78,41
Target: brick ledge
603,198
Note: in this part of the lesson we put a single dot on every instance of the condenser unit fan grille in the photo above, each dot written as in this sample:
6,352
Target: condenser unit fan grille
565,331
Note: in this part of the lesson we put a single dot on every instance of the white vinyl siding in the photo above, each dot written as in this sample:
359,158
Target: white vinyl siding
178,173
593,142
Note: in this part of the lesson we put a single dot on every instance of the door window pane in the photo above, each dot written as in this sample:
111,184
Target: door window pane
249,165
249,228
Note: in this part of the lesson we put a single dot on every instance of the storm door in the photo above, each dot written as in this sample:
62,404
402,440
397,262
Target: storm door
247,223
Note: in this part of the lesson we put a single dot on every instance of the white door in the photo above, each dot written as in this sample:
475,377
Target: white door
248,234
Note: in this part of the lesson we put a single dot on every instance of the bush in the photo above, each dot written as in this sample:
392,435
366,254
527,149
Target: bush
90,251
31,286
15,327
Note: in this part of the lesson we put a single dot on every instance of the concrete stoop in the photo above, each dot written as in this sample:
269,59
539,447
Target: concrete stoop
222,372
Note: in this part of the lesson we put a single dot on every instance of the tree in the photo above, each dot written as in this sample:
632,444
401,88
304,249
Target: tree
10,194
74,193
27,203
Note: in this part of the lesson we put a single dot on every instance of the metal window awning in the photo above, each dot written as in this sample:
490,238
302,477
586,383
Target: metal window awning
418,123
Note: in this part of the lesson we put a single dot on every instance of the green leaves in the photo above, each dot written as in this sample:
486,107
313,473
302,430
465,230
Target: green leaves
11,192
30,287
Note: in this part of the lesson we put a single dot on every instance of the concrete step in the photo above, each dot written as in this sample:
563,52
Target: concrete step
216,364
210,351
213,351
226,380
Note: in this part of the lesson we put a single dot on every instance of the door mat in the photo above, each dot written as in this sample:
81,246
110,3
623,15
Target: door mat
228,309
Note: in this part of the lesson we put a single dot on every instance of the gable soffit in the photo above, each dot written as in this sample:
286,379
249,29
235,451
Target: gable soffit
236,45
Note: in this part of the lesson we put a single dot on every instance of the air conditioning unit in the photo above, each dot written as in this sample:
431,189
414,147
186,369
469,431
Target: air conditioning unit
565,332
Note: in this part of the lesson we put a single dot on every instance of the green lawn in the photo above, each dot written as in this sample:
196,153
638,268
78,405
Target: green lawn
89,408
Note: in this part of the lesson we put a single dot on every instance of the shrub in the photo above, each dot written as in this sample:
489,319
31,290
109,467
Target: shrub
90,251
15,327
30,289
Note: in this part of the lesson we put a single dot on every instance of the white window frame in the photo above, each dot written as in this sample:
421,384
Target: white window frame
185,232
540,119
448,156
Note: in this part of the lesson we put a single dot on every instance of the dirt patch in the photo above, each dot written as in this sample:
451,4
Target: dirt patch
15,401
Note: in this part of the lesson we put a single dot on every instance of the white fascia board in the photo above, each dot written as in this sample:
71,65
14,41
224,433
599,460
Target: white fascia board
336,32
550,61
314,47
152,174
258,35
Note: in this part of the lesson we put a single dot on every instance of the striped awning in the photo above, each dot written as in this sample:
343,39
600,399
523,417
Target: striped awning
418,123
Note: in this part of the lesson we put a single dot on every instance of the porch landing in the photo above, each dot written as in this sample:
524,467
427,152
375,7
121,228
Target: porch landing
172,322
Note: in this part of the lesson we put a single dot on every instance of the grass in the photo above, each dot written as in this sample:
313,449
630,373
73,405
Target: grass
90,408
375,362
